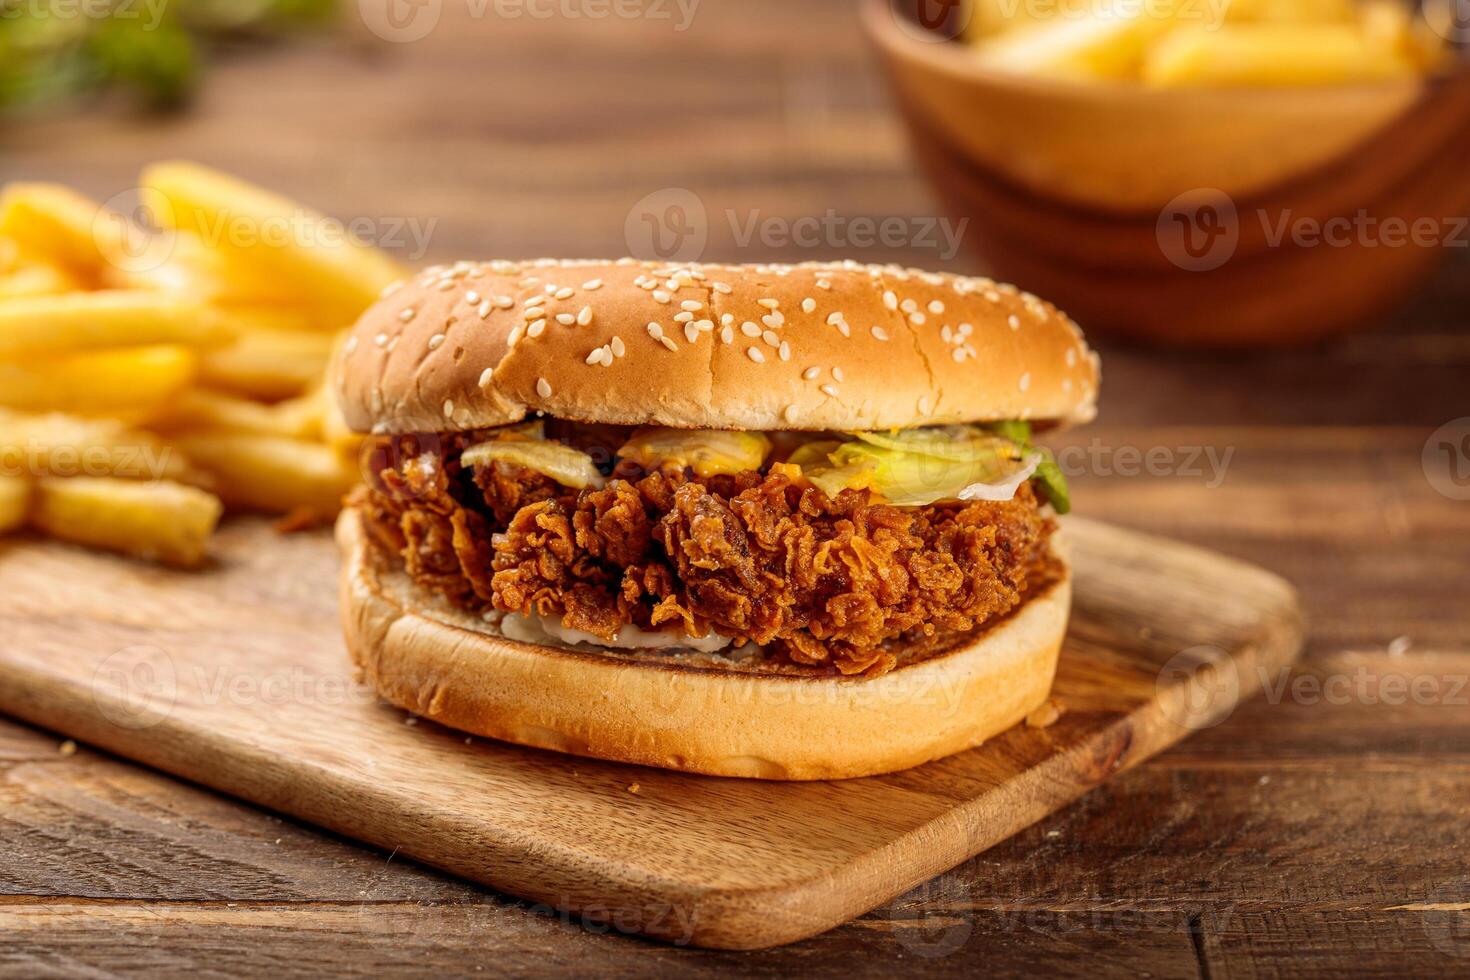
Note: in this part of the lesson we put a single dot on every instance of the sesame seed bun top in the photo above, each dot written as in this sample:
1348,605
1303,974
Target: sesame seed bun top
757,347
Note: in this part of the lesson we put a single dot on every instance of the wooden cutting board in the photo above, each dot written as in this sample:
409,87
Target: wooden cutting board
236,678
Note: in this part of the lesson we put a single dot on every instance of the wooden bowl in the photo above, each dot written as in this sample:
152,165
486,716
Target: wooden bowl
1155,214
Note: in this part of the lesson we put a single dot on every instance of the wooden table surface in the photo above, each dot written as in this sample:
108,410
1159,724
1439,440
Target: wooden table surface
1319,831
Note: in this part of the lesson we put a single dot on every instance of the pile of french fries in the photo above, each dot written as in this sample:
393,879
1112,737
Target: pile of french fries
153,377
1179,43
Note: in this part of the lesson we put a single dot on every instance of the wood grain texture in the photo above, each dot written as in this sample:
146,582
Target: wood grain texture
237,679
522,138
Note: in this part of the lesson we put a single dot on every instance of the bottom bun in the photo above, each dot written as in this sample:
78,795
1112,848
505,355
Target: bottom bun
693,712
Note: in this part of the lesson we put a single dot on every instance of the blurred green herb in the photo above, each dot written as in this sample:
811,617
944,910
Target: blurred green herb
55,50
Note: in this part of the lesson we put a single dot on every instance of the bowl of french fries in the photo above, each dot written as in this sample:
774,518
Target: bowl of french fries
155,378
1070,132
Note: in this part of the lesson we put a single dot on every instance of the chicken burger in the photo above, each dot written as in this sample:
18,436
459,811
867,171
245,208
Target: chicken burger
773,521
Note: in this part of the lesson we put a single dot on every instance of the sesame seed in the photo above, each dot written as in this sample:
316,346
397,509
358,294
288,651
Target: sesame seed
515,335
917,319
691,306
683,317
655,331
750,329
565,292
691,332
534,301
390,289
661,296
436,341
536,329
843,328
392,344
769,303
924,405
592,284
959,354
486,376
722,287
829,390
771,338
1014,321
837,373
505,302
1071,356
727,335
790,415
406,314
880,333
946,334
936,307
595,357
890,300
908,306
668,343
810,374
727,318
1026,381
704,325
484,309
756,355
534,312
565,319
543,388
808,305
448,409
351,346
381,339
618,347
445,285
584,316
773,320
472,298
784,351
824,283
966,329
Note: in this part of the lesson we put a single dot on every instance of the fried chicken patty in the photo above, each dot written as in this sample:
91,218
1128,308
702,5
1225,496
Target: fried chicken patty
762,557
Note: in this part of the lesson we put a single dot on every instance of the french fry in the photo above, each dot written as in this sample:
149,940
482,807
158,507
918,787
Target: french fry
129,381
267,363
271,474
1108,43
37,279
158,521
56,224
107,249
65,445
335,273
1291,11
107,318
201,408
1271,54
15,502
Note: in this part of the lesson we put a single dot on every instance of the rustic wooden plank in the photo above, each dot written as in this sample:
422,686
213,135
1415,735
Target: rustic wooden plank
262,709
411,940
